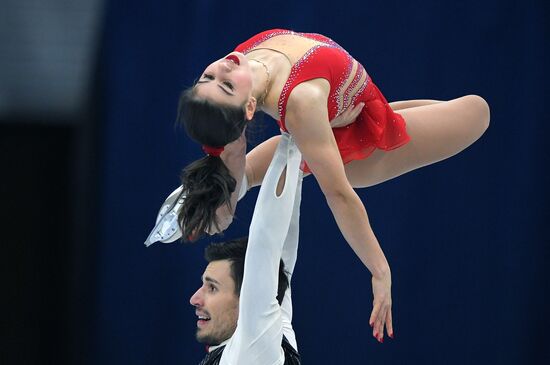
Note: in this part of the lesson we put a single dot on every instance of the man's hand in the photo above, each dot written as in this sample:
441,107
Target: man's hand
347,117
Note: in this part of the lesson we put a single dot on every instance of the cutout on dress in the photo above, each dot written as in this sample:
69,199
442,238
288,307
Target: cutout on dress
282,182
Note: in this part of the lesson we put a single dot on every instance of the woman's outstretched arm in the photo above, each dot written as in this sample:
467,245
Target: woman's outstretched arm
307,121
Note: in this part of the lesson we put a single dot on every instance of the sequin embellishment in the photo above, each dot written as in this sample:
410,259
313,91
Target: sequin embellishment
342,96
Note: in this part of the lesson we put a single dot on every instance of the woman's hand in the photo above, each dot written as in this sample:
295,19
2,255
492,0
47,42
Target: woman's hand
381,312
347,117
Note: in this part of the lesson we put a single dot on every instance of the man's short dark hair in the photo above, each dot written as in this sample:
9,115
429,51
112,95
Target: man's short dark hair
234,251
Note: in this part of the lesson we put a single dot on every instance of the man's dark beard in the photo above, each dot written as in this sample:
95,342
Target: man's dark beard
210,340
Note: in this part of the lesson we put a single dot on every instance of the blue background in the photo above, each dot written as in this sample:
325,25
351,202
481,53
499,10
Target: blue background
465,238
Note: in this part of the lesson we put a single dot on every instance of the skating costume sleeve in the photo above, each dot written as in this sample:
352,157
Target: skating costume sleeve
273,235
290,252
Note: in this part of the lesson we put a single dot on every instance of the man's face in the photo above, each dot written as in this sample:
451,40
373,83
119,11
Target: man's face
216,304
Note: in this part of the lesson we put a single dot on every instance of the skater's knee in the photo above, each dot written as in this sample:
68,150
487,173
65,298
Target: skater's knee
481,111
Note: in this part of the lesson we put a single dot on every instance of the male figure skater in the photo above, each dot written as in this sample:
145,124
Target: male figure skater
244,305
216,305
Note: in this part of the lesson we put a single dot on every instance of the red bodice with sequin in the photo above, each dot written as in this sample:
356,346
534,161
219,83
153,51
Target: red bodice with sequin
378,126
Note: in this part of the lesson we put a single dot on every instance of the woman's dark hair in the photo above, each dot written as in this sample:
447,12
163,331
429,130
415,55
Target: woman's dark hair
206,182
234,251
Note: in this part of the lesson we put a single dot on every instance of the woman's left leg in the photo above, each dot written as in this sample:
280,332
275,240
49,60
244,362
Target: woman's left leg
406,104
438,130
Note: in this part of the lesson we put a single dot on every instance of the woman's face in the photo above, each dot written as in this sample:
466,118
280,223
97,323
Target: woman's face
226,81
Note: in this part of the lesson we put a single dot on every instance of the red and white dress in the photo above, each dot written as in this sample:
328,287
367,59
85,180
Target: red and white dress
378,126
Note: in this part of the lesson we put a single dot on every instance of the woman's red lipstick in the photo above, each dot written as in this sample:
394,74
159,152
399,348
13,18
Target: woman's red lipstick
233,58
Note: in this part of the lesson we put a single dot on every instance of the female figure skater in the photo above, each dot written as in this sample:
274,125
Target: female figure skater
337,117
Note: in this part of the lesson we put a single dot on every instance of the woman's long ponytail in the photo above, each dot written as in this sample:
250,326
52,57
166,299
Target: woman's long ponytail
207,182
208,186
